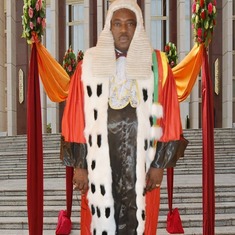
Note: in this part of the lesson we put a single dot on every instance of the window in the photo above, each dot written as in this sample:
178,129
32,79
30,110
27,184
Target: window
75,25
159,23
106,4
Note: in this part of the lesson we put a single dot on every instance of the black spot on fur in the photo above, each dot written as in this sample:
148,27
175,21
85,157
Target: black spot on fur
90,140
145,145
107,212
143,215
92,210
99,140
102,190
99,90
93,188
98,212
145,95
151,120
95,114
94,231
144,192
89,91
151,143
93,164
104,233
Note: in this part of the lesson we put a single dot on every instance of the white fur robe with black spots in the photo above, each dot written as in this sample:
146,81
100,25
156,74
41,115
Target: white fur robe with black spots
99,65
100,198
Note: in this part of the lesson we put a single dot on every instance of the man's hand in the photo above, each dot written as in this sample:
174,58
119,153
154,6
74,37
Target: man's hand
80,180
154,178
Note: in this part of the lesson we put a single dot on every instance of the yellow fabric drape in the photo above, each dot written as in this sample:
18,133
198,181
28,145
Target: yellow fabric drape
54,78
164,67
186,72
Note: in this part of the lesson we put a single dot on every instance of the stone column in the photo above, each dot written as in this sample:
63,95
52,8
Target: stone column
216,67
227,73
11,67
3,115
62,47
22,66
86,25
43,99
177,35
99,16
173,21
181,29
194,103
147,17
53,108
93,22
194,107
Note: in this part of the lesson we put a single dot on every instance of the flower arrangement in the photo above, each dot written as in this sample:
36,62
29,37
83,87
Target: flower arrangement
80,56
33,20
69,61
171,53
203,20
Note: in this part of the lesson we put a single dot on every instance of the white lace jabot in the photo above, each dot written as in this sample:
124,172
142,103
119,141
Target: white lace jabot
122,91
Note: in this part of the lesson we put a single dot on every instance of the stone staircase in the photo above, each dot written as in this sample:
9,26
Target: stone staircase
187,186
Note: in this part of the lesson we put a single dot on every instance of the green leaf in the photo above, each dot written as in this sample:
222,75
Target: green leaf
33,3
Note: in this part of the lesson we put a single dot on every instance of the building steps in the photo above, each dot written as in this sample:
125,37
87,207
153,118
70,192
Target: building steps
187,185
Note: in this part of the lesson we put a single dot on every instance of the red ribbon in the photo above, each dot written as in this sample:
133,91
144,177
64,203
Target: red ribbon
34,150
174,223
208,149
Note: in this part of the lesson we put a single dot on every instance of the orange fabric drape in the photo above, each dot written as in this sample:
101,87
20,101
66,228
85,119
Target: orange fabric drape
56,81
54,78
152,211
73,118
85,216
170,122
186,72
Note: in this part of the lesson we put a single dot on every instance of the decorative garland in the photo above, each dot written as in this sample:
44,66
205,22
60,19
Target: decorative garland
69,61
203,20
33,20
171,53
80,56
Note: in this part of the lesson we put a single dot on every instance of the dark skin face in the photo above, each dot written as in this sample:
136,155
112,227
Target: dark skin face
123,26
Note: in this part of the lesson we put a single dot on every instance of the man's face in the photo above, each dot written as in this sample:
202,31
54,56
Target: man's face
123,26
